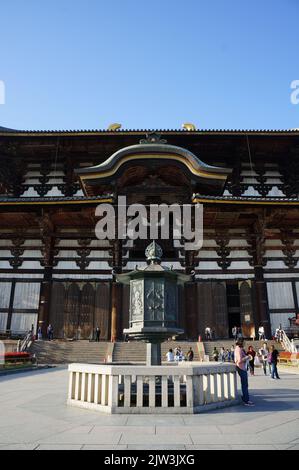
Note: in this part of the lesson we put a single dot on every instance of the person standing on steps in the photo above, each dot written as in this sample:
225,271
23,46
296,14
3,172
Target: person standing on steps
170,356
240,360
190,355
98,333
232,353
208,333
215,354
235,332
39,333
261,333
222,354
50,332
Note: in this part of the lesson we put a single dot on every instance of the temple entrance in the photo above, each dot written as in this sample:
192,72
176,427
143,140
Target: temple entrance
240,308
211,308
233,306
77,308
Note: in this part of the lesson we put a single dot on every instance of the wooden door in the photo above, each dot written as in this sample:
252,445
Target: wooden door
56,317
72,310
102,309
246,309
87,307
205,311
220,309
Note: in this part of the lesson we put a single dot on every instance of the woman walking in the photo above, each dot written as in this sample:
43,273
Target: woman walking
264,352
251,353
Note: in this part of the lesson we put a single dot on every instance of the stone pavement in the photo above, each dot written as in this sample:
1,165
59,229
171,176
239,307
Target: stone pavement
34,415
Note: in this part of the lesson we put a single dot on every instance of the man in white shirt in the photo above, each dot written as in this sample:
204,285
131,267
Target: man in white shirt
208,333
170,356
261,333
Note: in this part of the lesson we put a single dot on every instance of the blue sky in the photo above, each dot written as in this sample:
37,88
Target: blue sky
74,64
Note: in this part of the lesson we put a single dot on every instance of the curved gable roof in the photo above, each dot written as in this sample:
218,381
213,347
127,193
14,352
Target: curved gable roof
148,152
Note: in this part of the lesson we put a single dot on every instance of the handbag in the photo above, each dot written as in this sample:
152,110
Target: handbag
257,362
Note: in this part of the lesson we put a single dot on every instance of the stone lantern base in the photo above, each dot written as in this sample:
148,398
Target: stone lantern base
153,337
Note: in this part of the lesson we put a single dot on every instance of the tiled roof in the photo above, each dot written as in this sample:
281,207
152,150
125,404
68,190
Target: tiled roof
4,130
95,199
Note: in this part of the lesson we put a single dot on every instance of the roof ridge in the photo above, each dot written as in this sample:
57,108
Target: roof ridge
142,131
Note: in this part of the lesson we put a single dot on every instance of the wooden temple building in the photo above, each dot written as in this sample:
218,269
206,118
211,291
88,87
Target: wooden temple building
53,269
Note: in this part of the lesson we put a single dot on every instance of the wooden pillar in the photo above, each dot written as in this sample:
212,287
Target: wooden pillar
116,292
115,312
47,235
261,300
190,310
10,308
257,242
44,303
189,313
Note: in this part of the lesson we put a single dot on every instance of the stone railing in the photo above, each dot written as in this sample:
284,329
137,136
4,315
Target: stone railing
184,388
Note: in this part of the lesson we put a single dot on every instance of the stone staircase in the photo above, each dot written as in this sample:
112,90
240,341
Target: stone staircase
136,351
66,352
227,344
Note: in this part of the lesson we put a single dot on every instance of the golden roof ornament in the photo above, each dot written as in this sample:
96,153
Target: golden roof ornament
114,127
188,126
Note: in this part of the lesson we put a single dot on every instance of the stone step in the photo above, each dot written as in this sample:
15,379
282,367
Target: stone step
57,351
134,351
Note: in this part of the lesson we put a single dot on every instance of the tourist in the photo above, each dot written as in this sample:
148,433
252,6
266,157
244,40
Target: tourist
278,334
239,333
261,332
215,354
240,360
227,355
208,333
251,353
273,360
39,333
232,353
79,333
50,332
235,332
264,352
170,356
177,354
190,355
222,354
98,333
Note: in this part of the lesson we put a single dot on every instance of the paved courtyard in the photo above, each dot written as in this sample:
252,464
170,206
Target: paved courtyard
34,416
